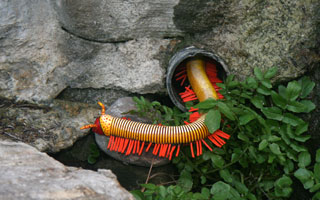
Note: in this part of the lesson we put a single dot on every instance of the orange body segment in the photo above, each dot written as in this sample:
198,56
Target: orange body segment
199,80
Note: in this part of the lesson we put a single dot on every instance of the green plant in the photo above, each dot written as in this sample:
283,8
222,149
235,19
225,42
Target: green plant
266,151
94,154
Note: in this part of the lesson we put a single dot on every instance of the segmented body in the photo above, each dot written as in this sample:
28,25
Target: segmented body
154,133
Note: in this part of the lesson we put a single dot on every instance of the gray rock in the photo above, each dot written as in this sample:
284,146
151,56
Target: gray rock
117,109
248,34
130,66
26,173
49,129
39,59
115,20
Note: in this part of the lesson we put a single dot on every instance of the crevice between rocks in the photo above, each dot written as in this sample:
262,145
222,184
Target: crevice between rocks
97,41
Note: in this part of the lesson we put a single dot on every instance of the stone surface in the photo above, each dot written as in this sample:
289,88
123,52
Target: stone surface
26,173
39,59
48,128
248,34
114,20
130,66
120,108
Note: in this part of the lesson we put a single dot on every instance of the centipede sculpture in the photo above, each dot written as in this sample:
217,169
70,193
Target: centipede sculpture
130,137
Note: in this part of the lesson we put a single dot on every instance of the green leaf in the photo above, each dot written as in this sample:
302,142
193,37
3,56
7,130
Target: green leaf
306,86
283,182
304,159
304,176
316,196
205,192
244,119
302,138
185,181
315,187
149,186
279,100
309,105
258,73
137,194
207,104
242,188
271,72
225,174
213,120
275,148
223,191
301,128
263,144
266,83
92,159
273,113
316,170
297,147
318,156
291,119
293,90
203,179
252,83
258,101
217,160
162,191
226,110
264,90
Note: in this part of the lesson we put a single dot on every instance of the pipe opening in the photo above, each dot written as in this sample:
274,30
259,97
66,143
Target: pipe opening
177,81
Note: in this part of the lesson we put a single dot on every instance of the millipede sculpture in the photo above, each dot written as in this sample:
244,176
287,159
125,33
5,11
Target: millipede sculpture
131,137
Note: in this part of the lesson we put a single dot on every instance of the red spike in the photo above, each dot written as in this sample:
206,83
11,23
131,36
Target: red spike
141,148
194,116
223,134
181,77
130,147
171,152
110,142
182,72
148,147
221,141
204,142
121,144
192,109
168,151
164,150
191,148
183,80
138,147
125,145
156,149
134,147
178,149
200,145
114,143
213,141
197,145
186,123
117,144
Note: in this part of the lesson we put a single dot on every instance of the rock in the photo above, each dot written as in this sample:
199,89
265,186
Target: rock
248,34
26,173
130,66
108,21
49,129
40,59
124,105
